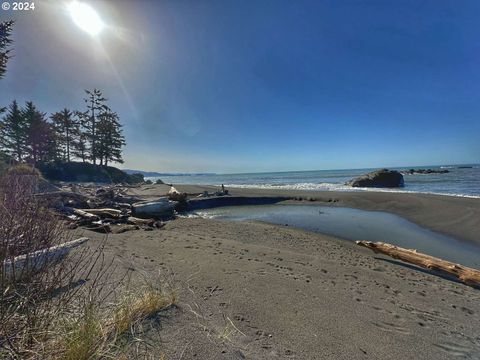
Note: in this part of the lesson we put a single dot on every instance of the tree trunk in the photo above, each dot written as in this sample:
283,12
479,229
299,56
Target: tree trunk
68,145
93,135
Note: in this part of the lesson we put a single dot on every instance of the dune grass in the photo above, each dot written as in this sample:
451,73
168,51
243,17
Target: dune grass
95,334
135,308
84,336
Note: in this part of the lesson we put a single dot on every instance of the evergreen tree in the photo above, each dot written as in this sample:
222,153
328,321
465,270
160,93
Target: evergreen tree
40,141
67,130
5,42
95,106
80,143
110,138
14,133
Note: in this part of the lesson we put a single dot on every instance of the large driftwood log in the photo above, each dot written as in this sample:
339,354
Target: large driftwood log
154,209
103,212
465,274
85,215
36,260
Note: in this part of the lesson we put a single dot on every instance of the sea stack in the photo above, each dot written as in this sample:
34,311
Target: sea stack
383,178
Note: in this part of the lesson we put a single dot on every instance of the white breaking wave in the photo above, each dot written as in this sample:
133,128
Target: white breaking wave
336,187
296,186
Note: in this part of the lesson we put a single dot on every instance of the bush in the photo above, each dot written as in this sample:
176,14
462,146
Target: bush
24,169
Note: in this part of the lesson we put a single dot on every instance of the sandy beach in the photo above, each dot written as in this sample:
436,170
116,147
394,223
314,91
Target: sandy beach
259,291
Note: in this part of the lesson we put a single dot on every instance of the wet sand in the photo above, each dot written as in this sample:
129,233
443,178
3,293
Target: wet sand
260,291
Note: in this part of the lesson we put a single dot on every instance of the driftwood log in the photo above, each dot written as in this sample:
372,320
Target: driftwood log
85,215
103,212
465,274
124,228
137,221
36,260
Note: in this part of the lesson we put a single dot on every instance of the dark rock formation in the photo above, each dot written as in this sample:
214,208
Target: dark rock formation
383,178
424,171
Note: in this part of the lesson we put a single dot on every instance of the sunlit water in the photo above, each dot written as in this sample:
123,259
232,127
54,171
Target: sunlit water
353,224
458,182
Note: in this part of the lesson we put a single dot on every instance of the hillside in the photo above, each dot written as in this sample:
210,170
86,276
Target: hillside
86,172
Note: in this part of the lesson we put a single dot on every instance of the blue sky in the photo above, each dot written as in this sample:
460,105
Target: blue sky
243,86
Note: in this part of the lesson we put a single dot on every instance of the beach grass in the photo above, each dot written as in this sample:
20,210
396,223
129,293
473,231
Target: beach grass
137,307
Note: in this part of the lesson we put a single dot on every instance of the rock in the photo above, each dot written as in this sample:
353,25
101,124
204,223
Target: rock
424,171
162,208
383,178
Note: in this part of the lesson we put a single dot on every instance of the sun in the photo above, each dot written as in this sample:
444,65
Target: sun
86,18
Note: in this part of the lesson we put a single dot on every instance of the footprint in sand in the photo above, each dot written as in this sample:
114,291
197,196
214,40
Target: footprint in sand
456,349
386,326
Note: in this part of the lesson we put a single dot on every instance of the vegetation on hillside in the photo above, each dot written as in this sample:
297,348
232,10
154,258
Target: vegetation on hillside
87,172
94,135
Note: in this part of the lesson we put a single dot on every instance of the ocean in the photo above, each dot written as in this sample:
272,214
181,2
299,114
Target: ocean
462,180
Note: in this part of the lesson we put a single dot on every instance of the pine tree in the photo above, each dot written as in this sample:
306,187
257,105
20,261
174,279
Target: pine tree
95,106
67,130
14,132
80,143
110,138
5,42
40,142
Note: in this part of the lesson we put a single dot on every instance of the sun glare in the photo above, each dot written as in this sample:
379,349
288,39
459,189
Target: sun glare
86,18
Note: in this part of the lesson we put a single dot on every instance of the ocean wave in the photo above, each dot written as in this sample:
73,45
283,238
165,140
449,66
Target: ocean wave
296,186
339,187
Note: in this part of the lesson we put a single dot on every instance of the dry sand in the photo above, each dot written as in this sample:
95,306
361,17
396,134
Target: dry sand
259,291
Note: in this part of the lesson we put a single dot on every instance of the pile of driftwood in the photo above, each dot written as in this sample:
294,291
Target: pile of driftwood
109,209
